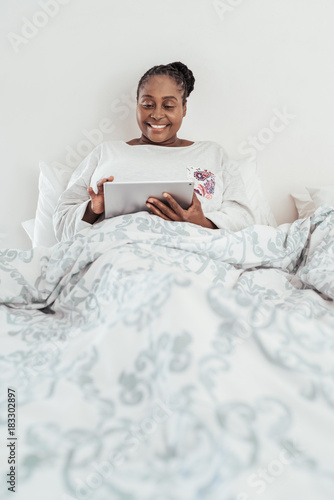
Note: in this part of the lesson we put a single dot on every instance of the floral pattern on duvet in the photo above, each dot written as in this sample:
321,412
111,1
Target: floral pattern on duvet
161,360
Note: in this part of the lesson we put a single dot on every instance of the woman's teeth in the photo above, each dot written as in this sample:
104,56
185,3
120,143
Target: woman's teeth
157,126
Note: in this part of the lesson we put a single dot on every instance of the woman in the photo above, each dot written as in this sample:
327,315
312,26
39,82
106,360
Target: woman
219,199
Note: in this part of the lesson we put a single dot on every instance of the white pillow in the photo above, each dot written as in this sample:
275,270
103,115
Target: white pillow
304,204
312,198
322,195
52,183
248,169
29,227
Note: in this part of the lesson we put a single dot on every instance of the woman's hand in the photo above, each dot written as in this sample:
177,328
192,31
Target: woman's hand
97,200
173,212
96,205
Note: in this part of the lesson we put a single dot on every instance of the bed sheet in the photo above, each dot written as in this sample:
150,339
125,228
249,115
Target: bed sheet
157,360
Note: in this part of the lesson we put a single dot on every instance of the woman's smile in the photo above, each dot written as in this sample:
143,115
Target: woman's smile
158,128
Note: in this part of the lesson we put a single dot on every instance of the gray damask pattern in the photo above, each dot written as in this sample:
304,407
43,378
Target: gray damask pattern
164,361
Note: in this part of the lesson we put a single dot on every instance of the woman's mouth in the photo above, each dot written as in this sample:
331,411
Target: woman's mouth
158,127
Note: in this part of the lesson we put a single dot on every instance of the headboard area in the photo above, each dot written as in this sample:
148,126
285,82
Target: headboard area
263,86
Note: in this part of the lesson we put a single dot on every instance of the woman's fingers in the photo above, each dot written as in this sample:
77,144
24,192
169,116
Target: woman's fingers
155,211
195,201
92,193
161,208
99,186
174,205
172,210
101,182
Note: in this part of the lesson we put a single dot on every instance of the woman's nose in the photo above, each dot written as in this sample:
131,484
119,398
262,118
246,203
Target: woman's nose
157,113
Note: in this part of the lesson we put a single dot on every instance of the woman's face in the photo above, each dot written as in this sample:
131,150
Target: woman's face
160,111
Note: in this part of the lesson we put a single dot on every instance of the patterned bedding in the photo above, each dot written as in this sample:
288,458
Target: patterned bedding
157,360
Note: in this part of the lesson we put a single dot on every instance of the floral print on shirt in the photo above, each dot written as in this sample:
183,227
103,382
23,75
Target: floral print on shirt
204,181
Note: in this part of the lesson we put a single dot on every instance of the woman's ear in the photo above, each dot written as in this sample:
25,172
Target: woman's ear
185,109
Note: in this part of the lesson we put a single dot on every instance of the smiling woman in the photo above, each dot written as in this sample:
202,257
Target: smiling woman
220,198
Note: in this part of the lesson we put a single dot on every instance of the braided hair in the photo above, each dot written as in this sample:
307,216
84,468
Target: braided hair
182,75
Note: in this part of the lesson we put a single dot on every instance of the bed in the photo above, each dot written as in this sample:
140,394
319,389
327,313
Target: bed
156,360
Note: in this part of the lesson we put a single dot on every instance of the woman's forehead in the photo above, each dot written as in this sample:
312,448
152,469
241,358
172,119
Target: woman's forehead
160,84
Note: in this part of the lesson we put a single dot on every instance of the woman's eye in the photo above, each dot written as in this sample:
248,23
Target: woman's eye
169,107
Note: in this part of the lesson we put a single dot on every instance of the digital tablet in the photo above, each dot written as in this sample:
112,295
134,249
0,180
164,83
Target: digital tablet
122,198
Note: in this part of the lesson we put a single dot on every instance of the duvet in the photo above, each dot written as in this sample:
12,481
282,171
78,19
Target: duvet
156,360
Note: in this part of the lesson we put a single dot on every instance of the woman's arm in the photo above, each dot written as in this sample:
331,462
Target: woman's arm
235,212
72,205
90,216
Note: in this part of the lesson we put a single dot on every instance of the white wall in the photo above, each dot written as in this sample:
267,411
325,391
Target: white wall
251,59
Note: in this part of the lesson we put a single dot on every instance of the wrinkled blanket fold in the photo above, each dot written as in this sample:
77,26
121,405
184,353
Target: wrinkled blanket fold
158,360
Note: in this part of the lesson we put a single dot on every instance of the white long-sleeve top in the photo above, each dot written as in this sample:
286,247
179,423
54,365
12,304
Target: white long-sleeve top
221,192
